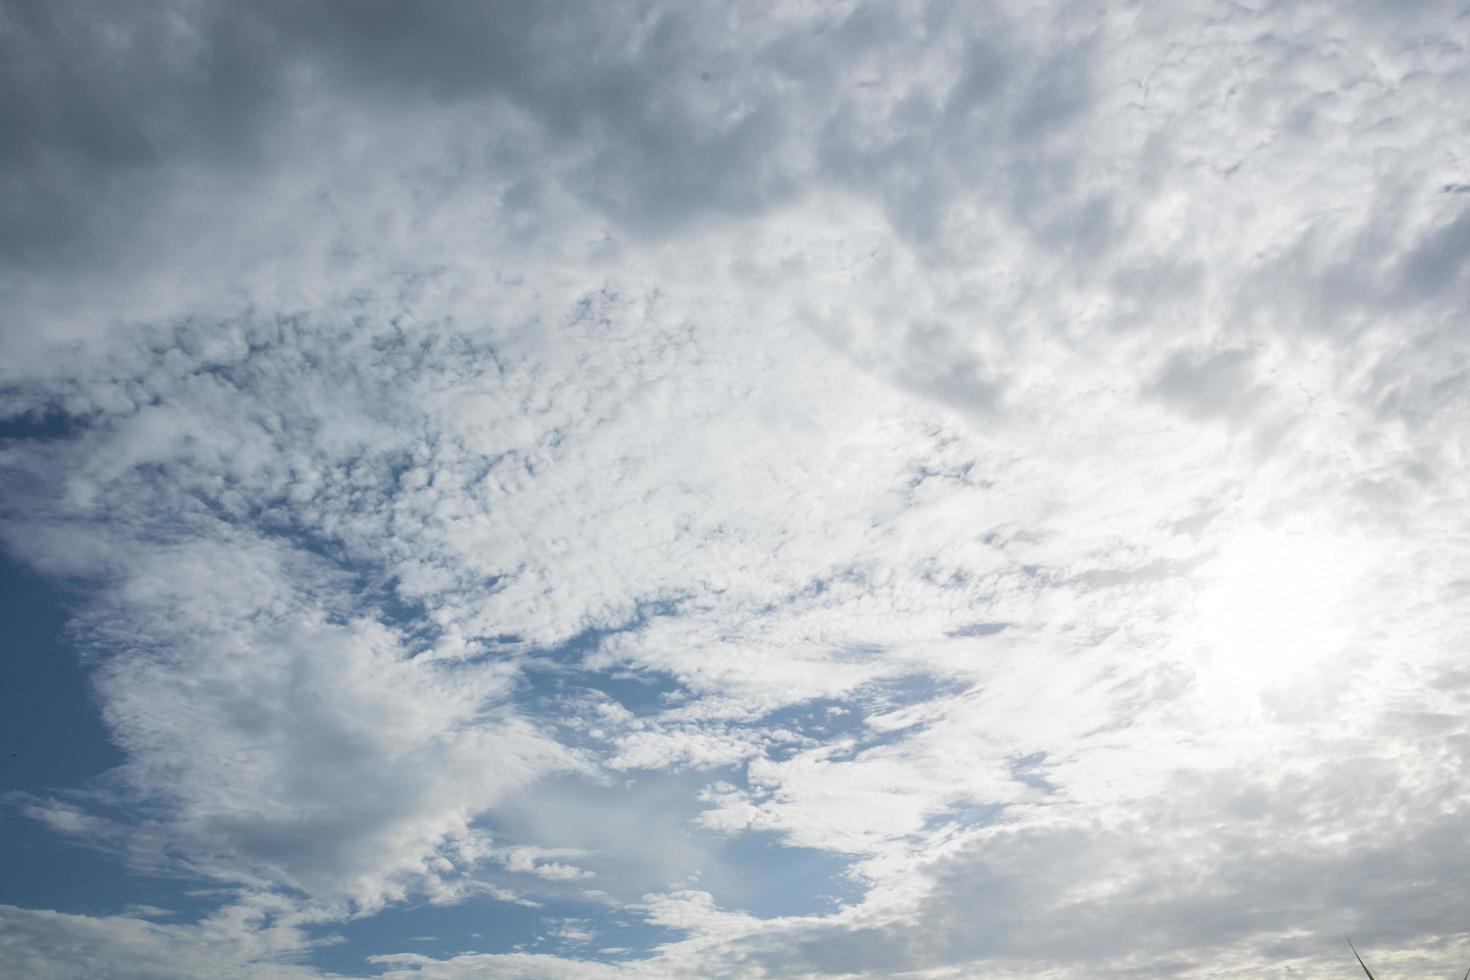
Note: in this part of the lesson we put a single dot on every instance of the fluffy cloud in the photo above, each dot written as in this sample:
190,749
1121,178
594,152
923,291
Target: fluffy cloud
549,452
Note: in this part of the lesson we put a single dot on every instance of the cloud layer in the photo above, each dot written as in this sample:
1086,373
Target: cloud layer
807,489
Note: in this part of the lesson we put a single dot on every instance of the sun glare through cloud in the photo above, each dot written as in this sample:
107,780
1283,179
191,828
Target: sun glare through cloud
1275,604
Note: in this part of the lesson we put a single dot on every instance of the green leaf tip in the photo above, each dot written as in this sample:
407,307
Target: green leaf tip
1360,961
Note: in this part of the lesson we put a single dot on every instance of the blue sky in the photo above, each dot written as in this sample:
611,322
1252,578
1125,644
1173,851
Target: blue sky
635,490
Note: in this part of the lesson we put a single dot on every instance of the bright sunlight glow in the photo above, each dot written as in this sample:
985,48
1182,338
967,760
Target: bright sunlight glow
1275,604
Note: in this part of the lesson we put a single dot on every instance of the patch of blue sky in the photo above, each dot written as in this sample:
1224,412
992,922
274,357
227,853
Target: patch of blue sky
54,741
781,880
965,814
52,729
483,924
853,575
641,692
977,629
823,719
42,426
43,870
905,690
555,678
640,835
847,718
1027,769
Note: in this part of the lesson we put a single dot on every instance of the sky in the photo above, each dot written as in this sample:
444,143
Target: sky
600,491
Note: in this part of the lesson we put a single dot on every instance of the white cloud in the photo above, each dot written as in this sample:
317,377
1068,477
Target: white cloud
236,941
523,453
